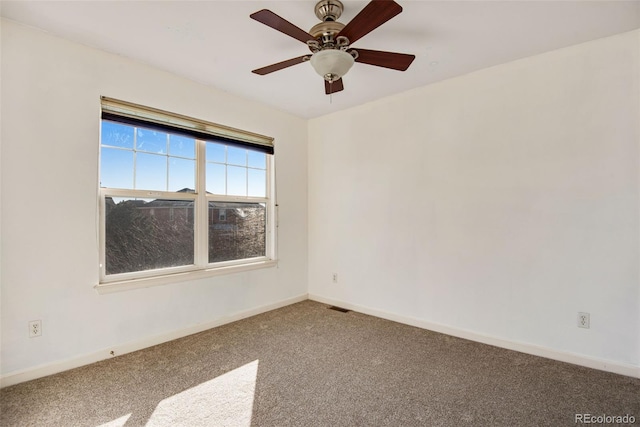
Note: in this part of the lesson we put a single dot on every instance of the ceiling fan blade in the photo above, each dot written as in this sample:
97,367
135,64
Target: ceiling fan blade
276,22
374,14
334,87
280,65
393,60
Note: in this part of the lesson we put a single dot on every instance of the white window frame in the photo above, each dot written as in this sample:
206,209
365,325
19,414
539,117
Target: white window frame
201,267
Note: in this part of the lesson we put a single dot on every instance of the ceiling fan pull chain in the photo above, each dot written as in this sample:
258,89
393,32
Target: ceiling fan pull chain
331,91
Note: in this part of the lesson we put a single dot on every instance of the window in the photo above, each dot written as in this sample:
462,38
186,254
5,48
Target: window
179,195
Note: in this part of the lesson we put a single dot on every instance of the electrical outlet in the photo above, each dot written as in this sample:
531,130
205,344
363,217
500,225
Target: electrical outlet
584,320
335,277
35,328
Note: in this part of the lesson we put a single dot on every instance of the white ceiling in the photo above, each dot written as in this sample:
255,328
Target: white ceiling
216,43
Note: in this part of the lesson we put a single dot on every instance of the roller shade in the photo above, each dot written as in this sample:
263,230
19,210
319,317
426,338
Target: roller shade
138,115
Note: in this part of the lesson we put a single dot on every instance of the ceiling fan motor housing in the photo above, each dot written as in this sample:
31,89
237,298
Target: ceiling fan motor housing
326,28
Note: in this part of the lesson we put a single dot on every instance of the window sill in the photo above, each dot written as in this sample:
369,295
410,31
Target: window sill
126,285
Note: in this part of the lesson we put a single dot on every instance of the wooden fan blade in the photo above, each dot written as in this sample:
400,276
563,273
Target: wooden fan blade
334,87
374,14
280,65
276,22
393,60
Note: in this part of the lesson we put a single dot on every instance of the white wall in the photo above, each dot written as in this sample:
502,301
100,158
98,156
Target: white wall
498,204
51,92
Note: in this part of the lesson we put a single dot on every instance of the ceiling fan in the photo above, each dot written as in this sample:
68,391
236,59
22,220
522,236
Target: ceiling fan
330,41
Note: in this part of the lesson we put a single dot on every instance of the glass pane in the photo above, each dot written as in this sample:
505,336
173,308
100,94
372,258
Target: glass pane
237,156
257,160
182,146
236,181
116,168
151,141
151,172
257,183
182,175
216,178
216,152
236,231
148,234
116,135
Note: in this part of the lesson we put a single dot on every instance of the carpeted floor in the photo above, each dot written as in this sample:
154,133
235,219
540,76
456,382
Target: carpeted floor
308,365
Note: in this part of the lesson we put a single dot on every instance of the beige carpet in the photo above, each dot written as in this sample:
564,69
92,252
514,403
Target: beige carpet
307,365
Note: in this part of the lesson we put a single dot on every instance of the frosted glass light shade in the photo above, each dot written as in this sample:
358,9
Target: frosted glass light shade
332,64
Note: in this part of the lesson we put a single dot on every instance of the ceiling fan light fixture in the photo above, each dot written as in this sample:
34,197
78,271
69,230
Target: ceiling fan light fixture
332,64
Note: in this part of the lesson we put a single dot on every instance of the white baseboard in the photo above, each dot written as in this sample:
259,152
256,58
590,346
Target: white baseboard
76,362
118,350
573,358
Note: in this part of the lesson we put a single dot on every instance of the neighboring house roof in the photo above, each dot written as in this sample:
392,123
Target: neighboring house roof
239,209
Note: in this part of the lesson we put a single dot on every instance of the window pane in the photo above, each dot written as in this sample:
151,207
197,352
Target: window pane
216,152
182,174
182,146
237,156
236,181
257,160
216,178
116,135
257,183
148,234
116,168
151,141
151,172
236,231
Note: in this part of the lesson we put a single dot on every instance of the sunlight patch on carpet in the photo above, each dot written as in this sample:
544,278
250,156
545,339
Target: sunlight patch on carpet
223,401
120,422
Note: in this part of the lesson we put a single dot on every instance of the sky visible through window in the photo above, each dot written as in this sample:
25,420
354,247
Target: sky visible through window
145,159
